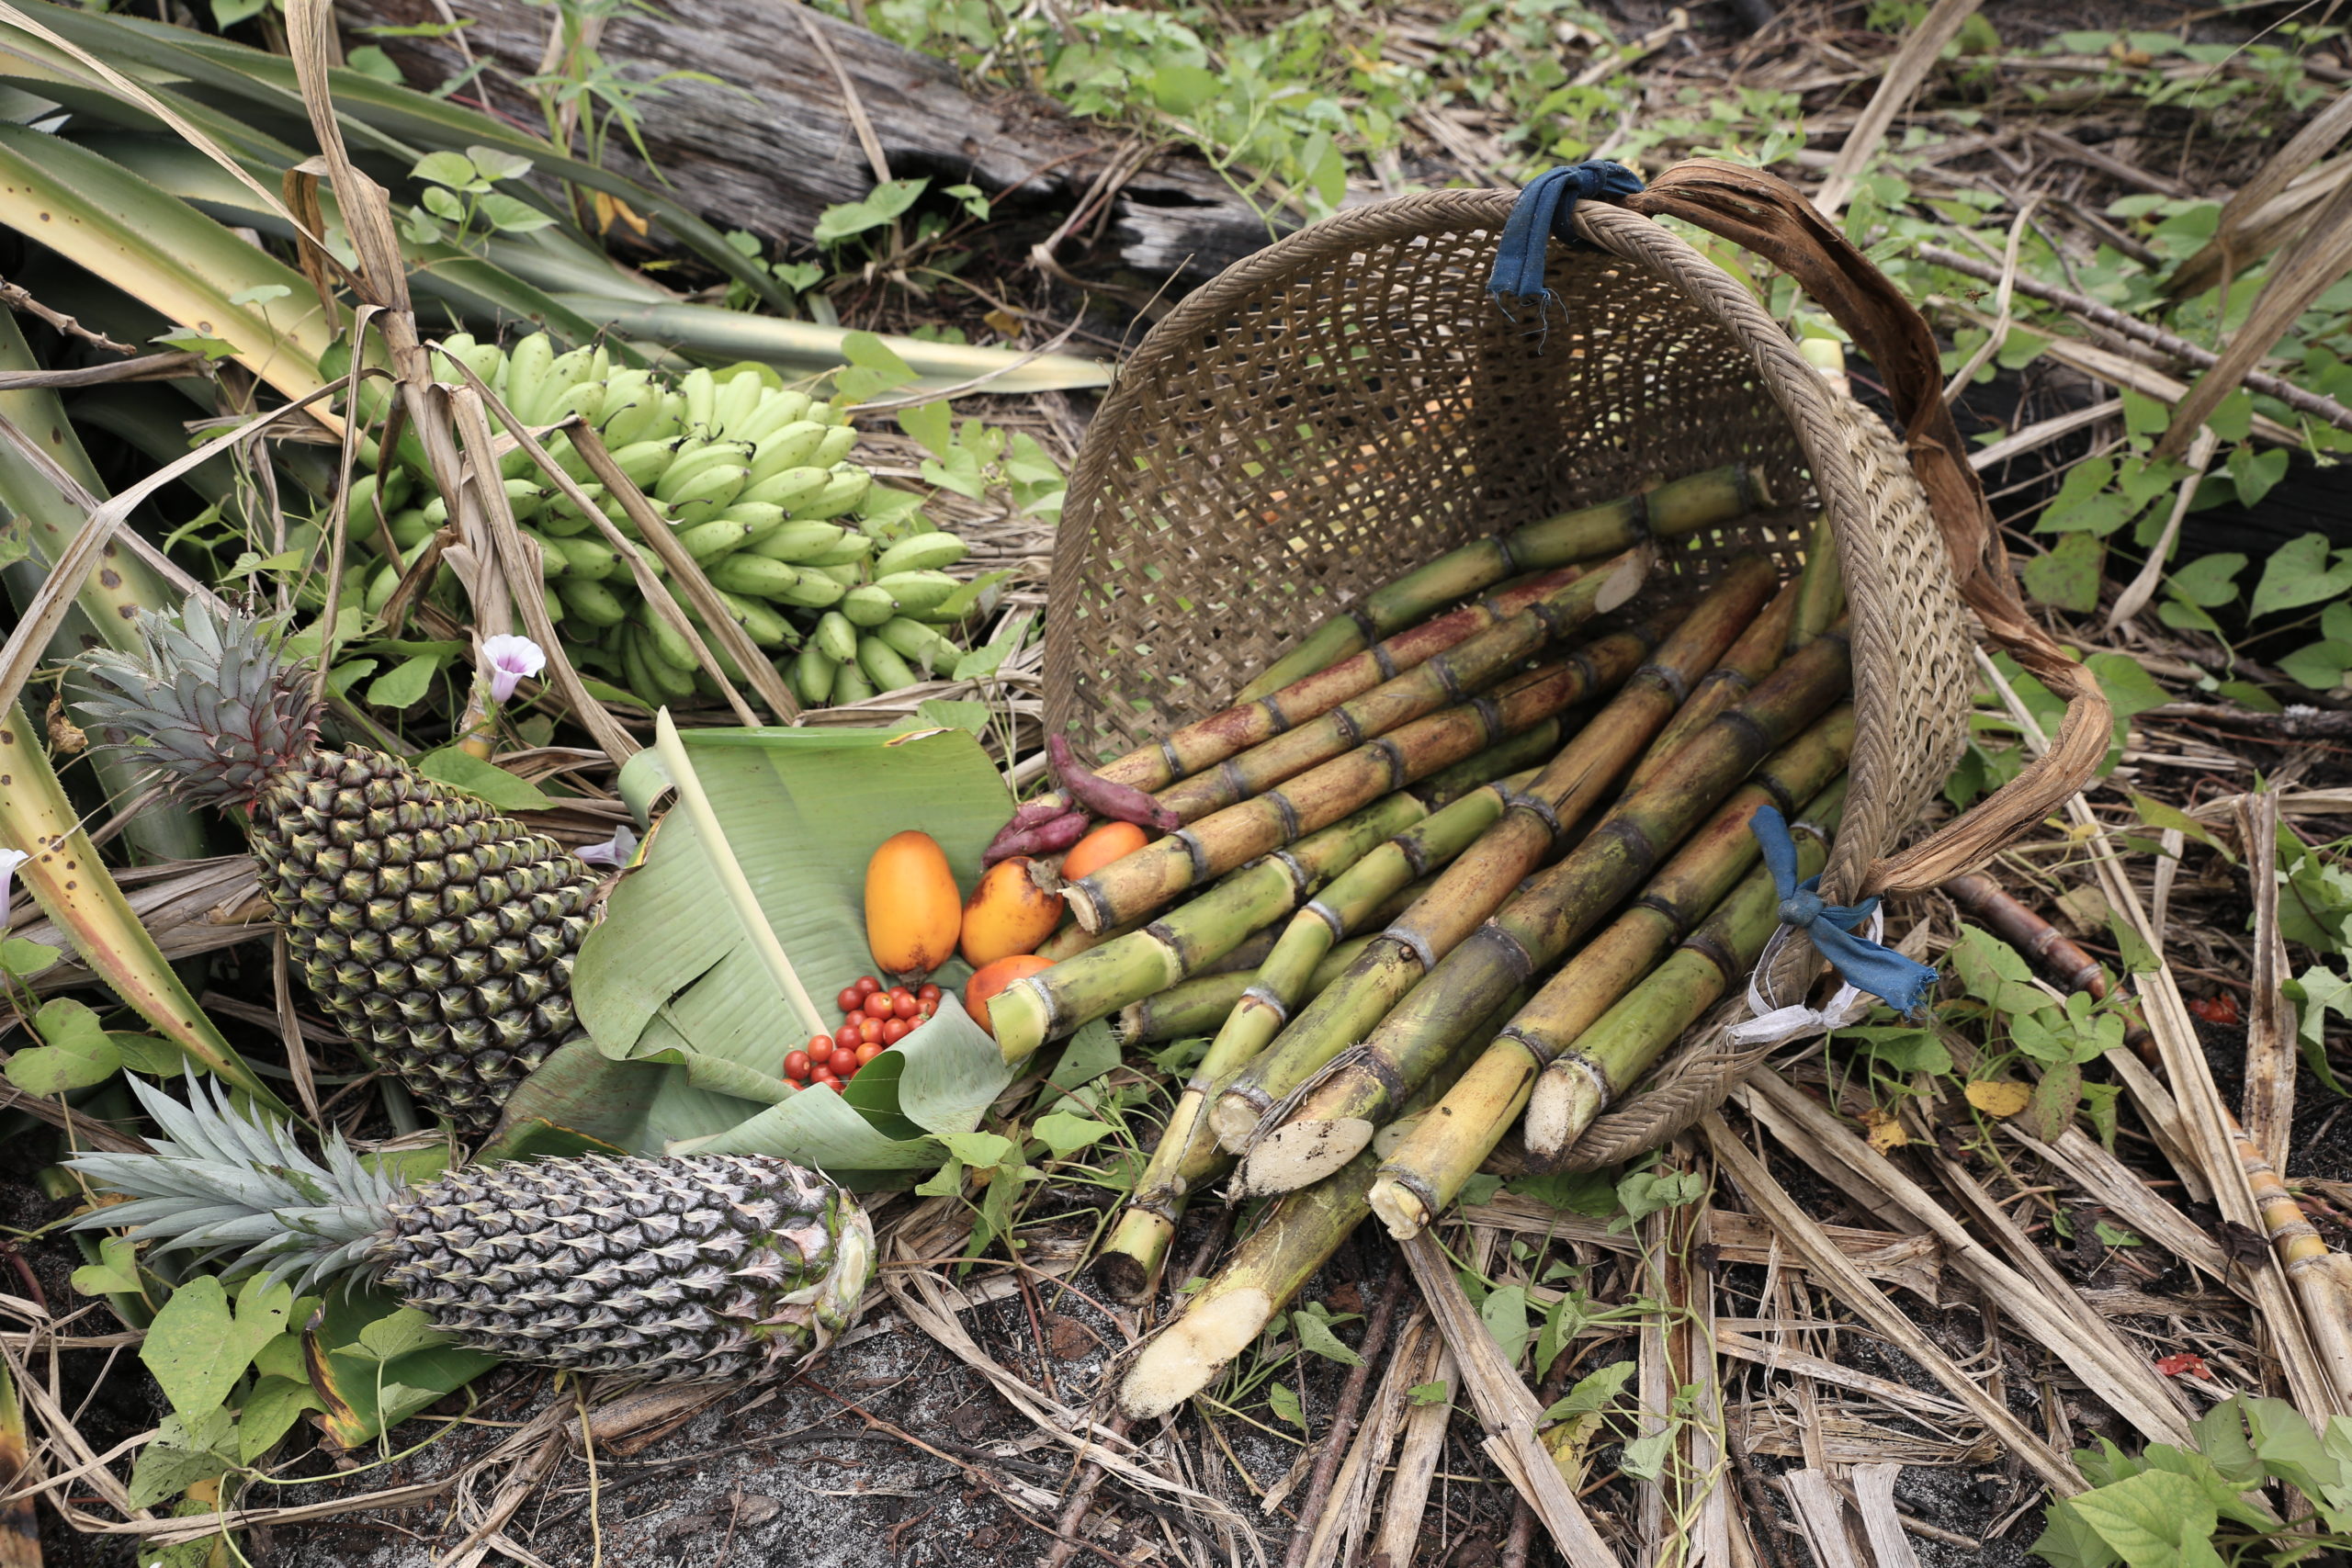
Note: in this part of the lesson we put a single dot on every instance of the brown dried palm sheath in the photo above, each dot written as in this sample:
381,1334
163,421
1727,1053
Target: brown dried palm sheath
1478,880
1139,883
1620,1045
1181,942
1750,659
1668,512
1435,682
1336,1115
1425,1172
1293,1238
1260,717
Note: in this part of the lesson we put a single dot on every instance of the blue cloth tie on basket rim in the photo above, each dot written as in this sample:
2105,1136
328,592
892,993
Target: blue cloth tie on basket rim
1901,982
1546,210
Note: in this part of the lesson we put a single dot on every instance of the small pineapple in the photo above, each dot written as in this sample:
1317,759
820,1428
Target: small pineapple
436,932
669,1271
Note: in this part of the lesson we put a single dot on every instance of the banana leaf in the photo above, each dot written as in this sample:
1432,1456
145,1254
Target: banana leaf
671,978
377,117
166,254
555,278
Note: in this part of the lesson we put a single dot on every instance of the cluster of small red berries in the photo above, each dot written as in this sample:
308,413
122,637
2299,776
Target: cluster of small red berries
873,1019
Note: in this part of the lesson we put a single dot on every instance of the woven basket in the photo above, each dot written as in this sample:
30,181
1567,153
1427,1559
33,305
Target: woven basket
1350,402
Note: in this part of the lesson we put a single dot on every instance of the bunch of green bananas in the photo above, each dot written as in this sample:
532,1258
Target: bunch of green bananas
846,595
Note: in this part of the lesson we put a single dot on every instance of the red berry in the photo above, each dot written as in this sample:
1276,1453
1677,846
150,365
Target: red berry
867,985
905,1006
878,1004
927,992
835,1084
867,1029
867,1053
795,1064
893,1030
849,1000
842,1062
928,1011
846,1035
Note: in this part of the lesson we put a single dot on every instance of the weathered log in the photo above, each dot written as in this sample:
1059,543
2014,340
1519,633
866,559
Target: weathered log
771,145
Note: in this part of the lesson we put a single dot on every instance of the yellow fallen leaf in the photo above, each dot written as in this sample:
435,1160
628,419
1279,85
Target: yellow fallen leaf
1999,1099
1886,1129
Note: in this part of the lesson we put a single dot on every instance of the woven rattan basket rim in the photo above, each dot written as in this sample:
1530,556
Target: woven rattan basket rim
1829,429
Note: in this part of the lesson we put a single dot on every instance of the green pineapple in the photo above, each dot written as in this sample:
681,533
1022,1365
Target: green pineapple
717,1266
437,933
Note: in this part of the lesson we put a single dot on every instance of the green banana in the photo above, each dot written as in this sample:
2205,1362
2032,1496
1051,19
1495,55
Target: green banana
592,602
700,389
755,575
838,443
590,560
849,685
798,542
663,641
868,605
812,676
852,551
916,591
761,625
844,492
925,552
914,640
788,446
789,489
707,541
882,665
836,636
689,468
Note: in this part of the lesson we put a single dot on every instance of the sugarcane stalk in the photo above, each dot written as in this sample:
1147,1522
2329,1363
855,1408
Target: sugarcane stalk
1201,1005
1475,884
1751,658
1138,884
1424,1175
1329,1119
1620,1045
1055,1002
1821,587
1672,510
1447,677
1302,964
1296,1236
1262,716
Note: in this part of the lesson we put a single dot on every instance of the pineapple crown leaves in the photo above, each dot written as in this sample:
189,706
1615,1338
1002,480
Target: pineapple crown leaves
226,1181
208,700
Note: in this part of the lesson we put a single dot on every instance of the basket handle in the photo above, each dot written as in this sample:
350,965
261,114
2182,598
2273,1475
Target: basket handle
1769,216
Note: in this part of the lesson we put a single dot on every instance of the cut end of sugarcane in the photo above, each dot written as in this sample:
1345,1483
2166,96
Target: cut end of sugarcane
1020,1016
1182,1362
1234,1120
1626,580
1132,1257
1560,1107
1399,1208
1300,1154
1128,1024
1086,905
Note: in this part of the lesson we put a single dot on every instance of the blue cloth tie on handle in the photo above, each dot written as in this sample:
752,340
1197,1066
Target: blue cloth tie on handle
1547,209
1864,965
